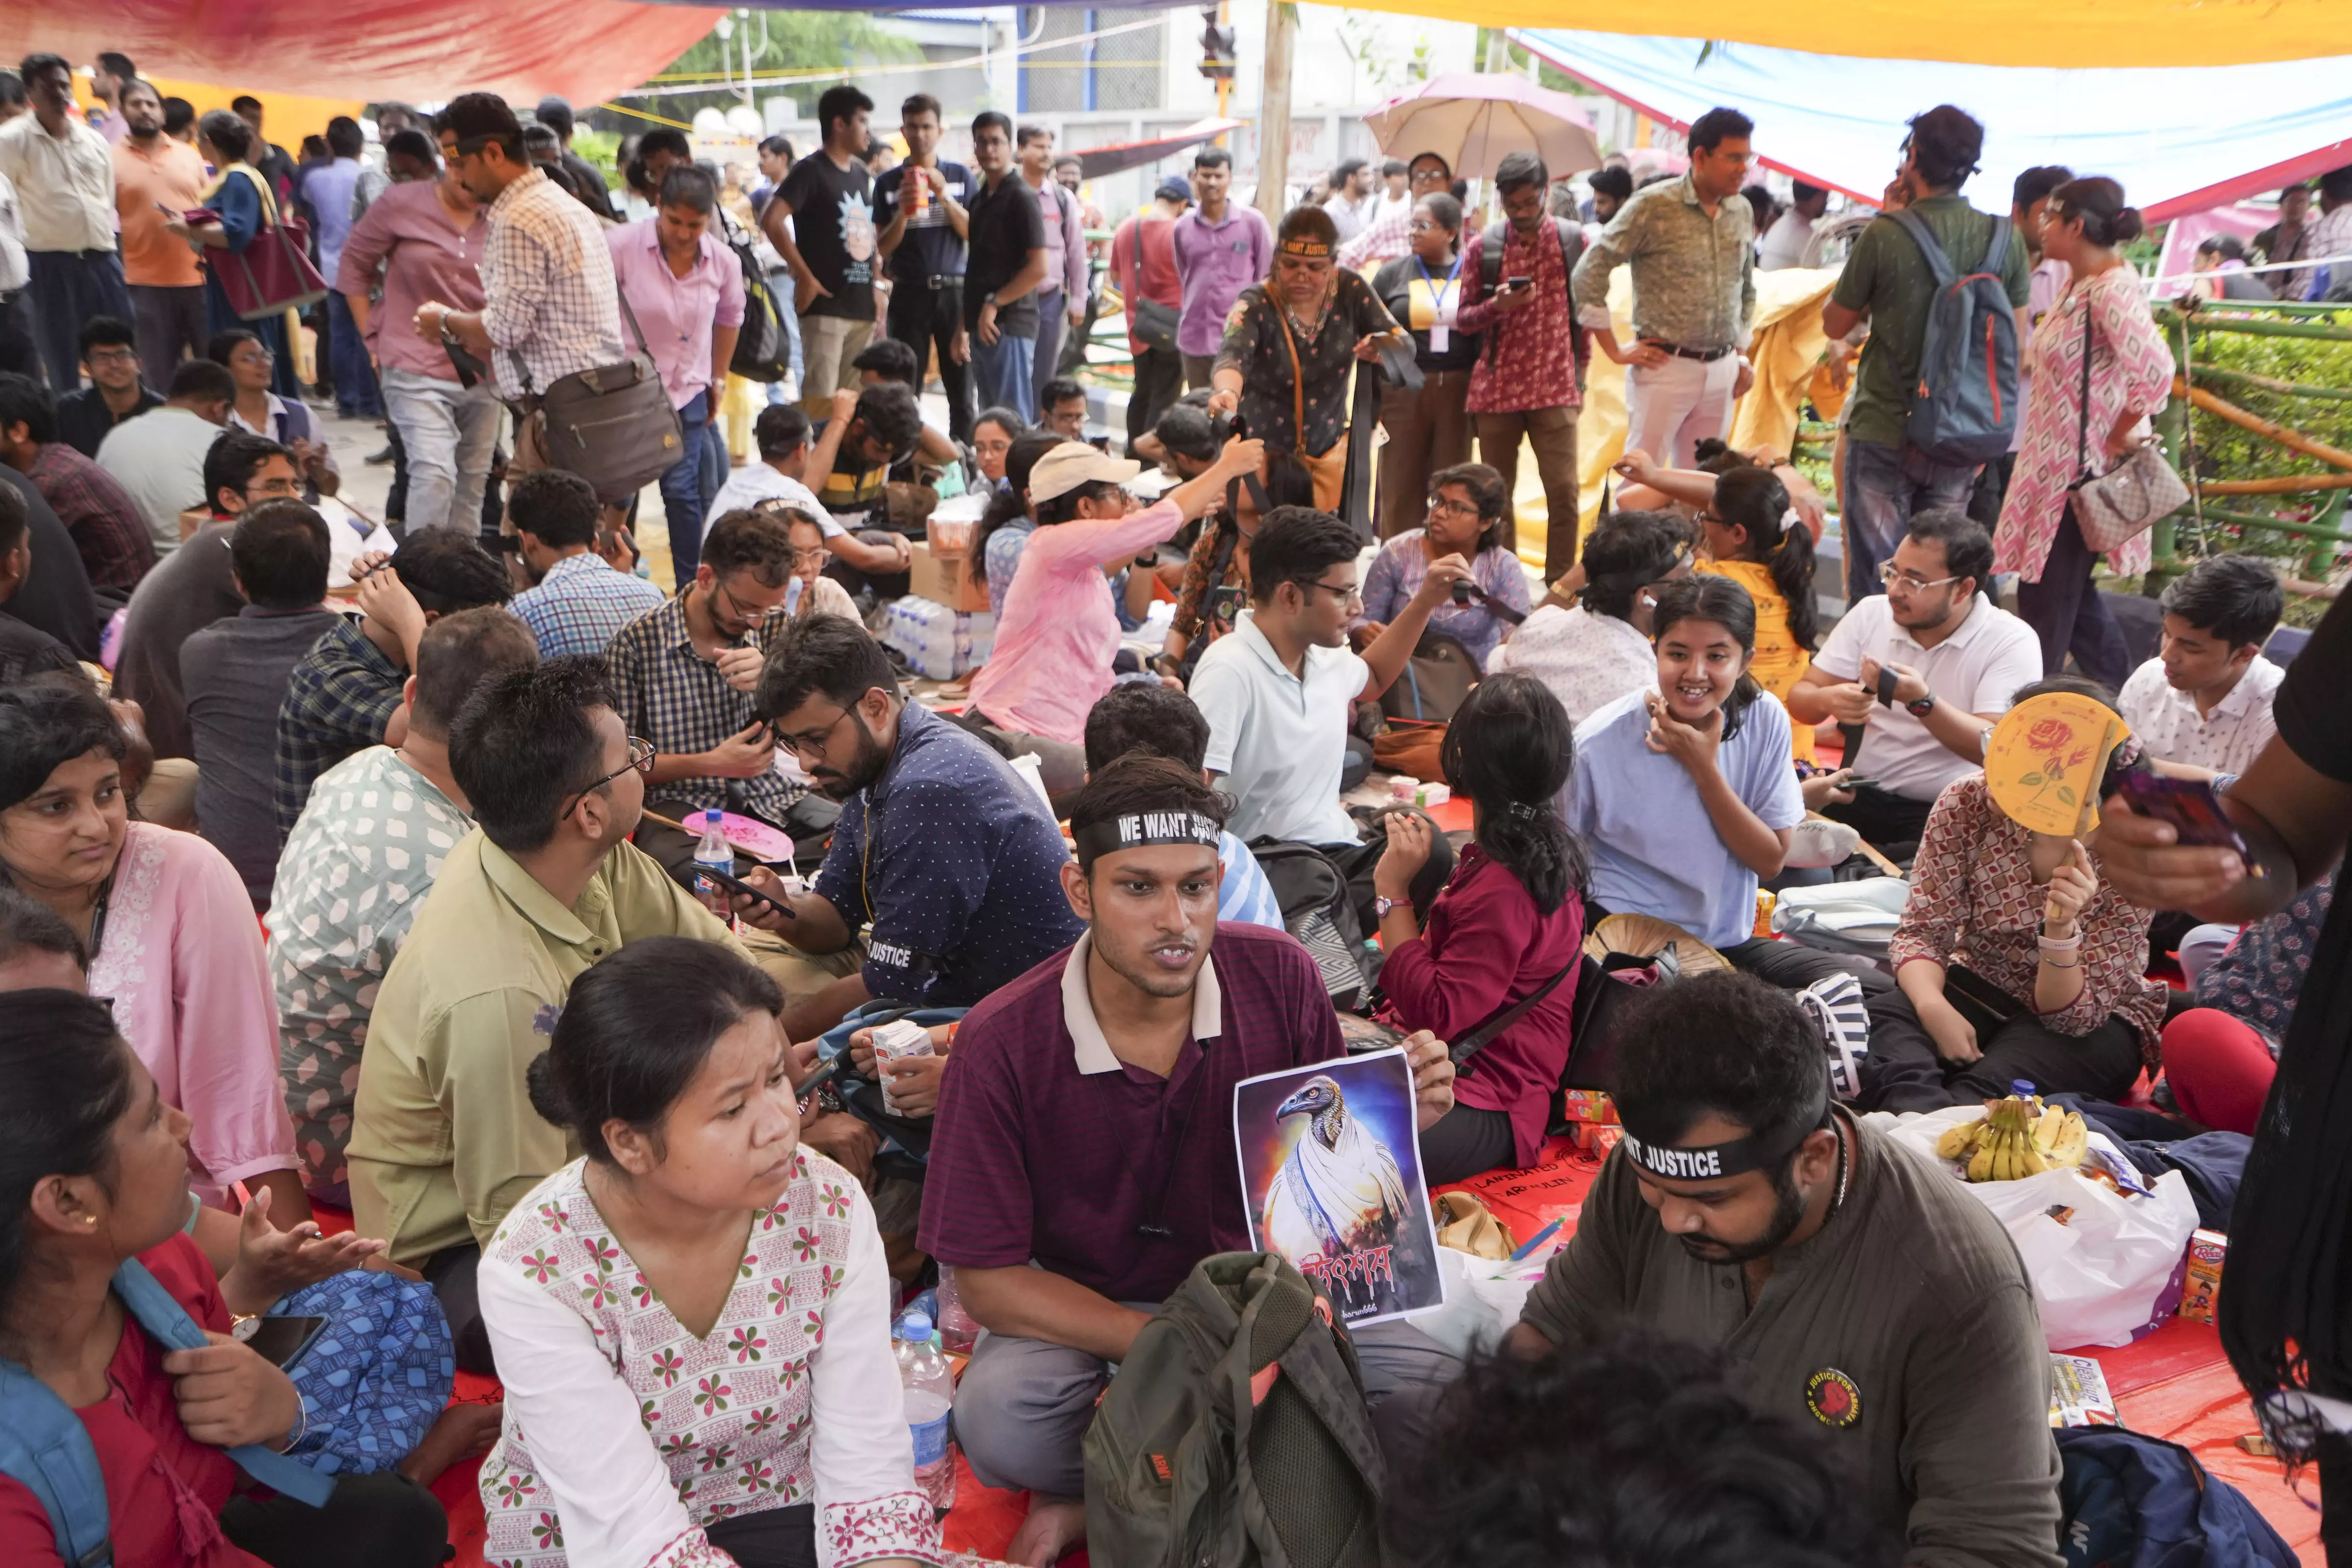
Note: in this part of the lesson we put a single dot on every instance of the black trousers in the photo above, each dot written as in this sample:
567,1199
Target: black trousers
453,1272
1159,382
885,585
924,318
1891,822
1792,966
1465,1143
2065,611
771,1538
1905,1074
382,1521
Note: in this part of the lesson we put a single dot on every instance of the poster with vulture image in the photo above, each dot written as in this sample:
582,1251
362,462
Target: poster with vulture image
1330,1164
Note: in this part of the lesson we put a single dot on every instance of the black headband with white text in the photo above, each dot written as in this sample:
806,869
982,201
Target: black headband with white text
1142,828
1717,1162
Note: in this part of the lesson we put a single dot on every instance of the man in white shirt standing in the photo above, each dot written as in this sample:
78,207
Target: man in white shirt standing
1783,245
2201,707
1350,202
64,175
1925,671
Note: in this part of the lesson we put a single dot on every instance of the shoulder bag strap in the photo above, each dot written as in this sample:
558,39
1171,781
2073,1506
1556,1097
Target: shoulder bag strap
169,1325
1297,379
1477,1040
631,317
45,1449
2082,436
1938,264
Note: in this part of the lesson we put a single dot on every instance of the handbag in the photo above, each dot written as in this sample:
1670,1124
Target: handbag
2116,507
274,273
1155,325
612,424
1328,471
377,1376
1435,683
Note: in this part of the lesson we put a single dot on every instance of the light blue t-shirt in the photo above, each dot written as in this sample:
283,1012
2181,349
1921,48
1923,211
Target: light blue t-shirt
1245,897
1654,851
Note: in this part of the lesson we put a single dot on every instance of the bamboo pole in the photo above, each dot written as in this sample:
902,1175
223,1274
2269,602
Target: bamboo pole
2223,409
2272,383
2276,525
2284,485
2253,328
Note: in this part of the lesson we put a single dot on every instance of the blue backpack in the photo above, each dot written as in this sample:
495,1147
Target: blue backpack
2131,1501
44,1447
1964,410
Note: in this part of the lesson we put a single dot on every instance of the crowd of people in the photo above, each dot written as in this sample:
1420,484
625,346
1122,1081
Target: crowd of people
539,917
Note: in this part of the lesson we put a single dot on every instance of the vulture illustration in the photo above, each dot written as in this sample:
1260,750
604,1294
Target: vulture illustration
1339,1191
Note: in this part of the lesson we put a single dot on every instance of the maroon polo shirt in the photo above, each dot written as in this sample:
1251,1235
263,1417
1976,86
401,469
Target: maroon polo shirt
1035,1156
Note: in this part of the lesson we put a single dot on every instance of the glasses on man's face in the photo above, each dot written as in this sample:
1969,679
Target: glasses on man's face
641,760
812,743
1346,592
1910,581
112,356
273,490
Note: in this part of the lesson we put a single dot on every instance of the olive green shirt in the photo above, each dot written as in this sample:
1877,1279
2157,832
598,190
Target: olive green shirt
443,1138
1887,276
1914,1292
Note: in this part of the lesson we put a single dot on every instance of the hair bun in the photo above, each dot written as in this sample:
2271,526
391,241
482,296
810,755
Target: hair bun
546,1098
2127,225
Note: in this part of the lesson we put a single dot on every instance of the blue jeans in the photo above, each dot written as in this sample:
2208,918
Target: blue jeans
355,387
683,497
1881,488
1000,372
1052,325
66,290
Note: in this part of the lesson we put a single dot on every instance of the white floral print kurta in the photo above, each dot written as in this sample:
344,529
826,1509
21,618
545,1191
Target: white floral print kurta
2131,367
792,1398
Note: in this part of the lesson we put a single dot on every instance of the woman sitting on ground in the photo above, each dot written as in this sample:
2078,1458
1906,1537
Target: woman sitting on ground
274,418
656,1308
1004,528
2014,961
169,929
1684,790
2221,1055
993,434
1509,922
1598,650
94,1175
1467,505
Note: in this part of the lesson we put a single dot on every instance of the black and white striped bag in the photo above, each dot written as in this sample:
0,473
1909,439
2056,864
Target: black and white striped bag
1835,1005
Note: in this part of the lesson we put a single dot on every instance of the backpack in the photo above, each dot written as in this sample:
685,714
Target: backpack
1319,909
2130,1502
45,1448
1965,409
763,347
1235,1432
1490,271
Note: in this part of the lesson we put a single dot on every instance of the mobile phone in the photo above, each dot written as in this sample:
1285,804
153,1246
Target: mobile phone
736,885
1516,284
2190,805
280,1342
1859,783
1466,591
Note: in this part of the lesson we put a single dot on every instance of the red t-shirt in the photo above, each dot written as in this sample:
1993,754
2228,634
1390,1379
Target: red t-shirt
1144,265
163,1488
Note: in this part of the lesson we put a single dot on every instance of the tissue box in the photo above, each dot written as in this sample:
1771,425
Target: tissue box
2200,1289
2078,1393
1591,1105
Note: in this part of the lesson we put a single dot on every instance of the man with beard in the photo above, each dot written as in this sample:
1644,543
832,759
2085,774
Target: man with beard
950,854
1842,1279
1085,1127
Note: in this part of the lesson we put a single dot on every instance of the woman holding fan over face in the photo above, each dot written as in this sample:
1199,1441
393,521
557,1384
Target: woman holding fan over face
1498,951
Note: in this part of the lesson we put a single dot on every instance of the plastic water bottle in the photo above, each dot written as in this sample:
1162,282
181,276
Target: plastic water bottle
714,853
930,1387
957,1330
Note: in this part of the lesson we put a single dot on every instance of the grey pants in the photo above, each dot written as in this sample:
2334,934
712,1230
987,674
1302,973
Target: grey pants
1024,1406
169,324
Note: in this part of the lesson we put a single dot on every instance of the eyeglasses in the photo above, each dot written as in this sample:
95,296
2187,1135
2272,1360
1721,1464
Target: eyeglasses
1449,507
112,356
1346,592
812,743
641,760
1911,581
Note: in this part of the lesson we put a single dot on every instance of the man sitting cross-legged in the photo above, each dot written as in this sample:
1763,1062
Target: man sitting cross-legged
1082,1160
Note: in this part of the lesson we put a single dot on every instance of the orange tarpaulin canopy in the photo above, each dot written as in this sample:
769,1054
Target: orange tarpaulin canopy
370,51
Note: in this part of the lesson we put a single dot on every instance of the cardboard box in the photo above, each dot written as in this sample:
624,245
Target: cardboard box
945,579
1589,1105
1593,1139
2200,1286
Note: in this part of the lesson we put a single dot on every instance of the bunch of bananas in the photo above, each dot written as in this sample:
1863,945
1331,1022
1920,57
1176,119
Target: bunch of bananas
2016,1136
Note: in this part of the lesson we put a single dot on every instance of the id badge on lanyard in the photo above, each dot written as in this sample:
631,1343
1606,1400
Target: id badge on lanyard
1434,305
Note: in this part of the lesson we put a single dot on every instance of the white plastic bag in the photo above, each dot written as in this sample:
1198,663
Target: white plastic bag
2097,1276
1483,1299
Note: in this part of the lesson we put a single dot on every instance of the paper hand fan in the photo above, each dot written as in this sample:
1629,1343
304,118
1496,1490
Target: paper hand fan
2046,760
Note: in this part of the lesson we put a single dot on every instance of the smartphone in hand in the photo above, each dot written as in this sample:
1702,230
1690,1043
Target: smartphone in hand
2192,808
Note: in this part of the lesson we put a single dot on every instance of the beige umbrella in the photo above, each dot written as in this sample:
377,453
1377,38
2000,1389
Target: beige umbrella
1472,119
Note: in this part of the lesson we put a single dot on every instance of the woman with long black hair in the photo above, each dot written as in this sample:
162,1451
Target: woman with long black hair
1754,538
1506,934
1004,528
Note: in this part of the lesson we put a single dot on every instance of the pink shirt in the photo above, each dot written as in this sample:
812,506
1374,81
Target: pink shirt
181,958
1059,631
676,313
425,255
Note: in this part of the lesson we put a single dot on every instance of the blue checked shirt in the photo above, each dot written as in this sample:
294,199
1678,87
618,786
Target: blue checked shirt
666,693
338,701
1245,897
580,605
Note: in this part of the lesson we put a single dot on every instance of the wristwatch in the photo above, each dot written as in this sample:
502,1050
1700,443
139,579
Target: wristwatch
1924,706
1381,906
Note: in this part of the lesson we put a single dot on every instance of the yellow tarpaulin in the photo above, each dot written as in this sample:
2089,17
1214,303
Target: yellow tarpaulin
286,117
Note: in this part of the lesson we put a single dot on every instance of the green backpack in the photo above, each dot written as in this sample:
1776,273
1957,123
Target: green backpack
1235,1432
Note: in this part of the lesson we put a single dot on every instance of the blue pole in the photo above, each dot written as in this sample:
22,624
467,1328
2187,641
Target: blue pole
1091,14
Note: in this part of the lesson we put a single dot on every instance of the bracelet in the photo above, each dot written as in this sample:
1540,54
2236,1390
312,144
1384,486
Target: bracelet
302,1427
2070,964
2060,944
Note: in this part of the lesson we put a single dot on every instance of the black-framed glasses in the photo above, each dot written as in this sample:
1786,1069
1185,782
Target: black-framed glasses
812,745
1346,592
1452,508
641,760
